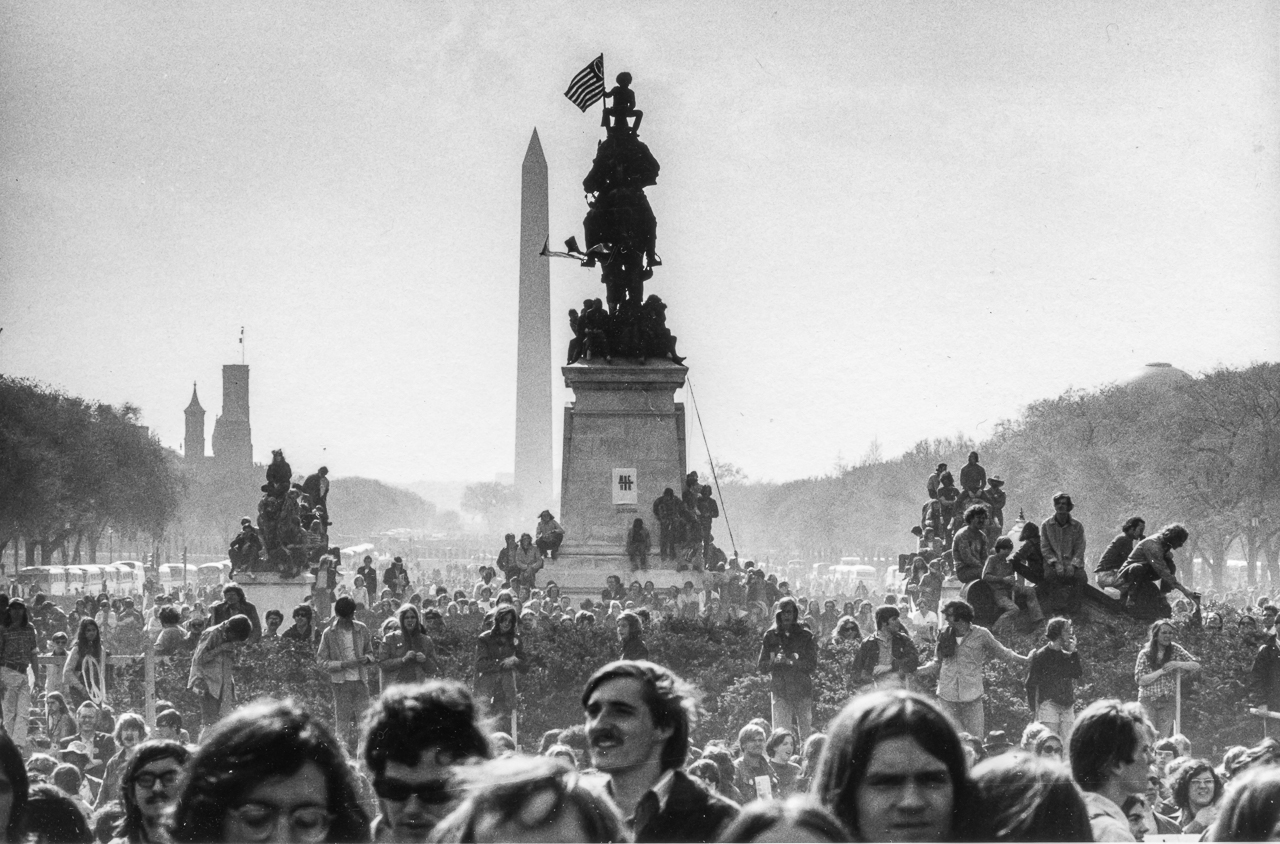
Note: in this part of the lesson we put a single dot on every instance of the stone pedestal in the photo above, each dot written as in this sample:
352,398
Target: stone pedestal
267,590
624,416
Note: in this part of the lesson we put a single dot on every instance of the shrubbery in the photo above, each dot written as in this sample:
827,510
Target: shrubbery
721,661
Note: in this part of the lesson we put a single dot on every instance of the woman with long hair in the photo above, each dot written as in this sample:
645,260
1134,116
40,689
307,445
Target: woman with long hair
1156,672
60,720
86,664
780,747
407,654
893,769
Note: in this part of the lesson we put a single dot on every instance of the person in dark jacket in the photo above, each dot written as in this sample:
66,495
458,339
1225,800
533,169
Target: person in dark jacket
900,660
499,655
396,578
1266,673
1054,669
667,511
245,548
972,476
303,628
370,576
1027,560
316,488
1113,559
788,653
233,603
638,719
630,636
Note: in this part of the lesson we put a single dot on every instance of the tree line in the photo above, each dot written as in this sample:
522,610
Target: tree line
1205,452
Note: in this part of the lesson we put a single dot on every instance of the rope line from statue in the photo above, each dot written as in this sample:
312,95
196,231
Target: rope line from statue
723,509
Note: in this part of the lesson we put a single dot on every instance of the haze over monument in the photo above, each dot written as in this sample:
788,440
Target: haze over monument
860,199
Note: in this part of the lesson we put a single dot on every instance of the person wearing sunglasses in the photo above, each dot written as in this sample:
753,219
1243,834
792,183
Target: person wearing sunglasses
415,736
149,789
269,772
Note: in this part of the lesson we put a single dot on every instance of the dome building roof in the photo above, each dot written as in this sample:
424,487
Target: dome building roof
1157,375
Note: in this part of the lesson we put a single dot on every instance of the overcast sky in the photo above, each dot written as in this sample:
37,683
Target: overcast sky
886,220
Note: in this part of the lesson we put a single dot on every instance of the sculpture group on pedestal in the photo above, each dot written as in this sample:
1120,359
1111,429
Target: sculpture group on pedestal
621,235
293,522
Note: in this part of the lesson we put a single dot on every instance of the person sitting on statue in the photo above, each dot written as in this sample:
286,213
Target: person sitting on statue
948,504
1150,571
316,487
664,510
526,561
279,474
624,105
550,535
595,331
969,548
973,477
656,337
994,497
245,548
935,480
577,346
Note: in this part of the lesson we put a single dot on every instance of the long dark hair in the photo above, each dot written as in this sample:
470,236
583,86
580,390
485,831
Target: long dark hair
1155,656
16,772
83,646
1024,798
263,740
854,734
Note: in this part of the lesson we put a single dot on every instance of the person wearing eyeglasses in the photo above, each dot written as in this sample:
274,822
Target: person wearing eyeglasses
269,772
414,738
149,789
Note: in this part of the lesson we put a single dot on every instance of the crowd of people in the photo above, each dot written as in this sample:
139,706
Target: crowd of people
408,754
891,766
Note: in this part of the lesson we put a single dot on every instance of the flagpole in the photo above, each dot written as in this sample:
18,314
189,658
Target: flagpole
604,116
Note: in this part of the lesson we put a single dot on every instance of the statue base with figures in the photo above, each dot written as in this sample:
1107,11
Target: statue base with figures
624,443
267,590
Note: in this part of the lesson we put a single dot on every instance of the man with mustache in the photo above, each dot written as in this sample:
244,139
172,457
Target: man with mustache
638,719
150,790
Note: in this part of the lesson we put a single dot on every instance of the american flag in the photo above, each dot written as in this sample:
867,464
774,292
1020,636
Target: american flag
587,86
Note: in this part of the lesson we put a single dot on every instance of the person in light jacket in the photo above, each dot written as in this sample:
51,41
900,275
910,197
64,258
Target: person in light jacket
346,652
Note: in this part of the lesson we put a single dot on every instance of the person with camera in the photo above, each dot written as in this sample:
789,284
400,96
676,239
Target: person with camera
789,655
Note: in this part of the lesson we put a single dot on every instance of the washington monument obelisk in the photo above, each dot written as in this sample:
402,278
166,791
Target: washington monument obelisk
533,344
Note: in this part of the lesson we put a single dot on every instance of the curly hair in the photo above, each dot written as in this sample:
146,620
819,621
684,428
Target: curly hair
407,720
1181,785
257,742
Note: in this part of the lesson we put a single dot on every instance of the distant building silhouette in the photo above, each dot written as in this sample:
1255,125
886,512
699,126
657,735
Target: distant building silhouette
193,445
232,435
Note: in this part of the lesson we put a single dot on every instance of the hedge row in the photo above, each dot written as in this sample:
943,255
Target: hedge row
721,661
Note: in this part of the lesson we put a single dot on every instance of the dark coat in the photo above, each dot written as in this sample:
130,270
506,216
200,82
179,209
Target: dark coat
691,815
221,611
1266,672
905,657
791,682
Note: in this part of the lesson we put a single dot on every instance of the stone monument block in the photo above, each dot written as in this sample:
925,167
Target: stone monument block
624,443
267,590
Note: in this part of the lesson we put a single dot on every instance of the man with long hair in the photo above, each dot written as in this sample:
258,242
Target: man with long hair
149,790
17,652
638,719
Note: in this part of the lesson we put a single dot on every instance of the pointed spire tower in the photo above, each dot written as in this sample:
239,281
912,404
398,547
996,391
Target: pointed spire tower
193,446
533,344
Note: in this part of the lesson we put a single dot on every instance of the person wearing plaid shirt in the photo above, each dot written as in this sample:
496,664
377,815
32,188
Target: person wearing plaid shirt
17,652
1156,671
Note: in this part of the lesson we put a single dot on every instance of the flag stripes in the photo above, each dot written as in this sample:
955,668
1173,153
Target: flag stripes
587,87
